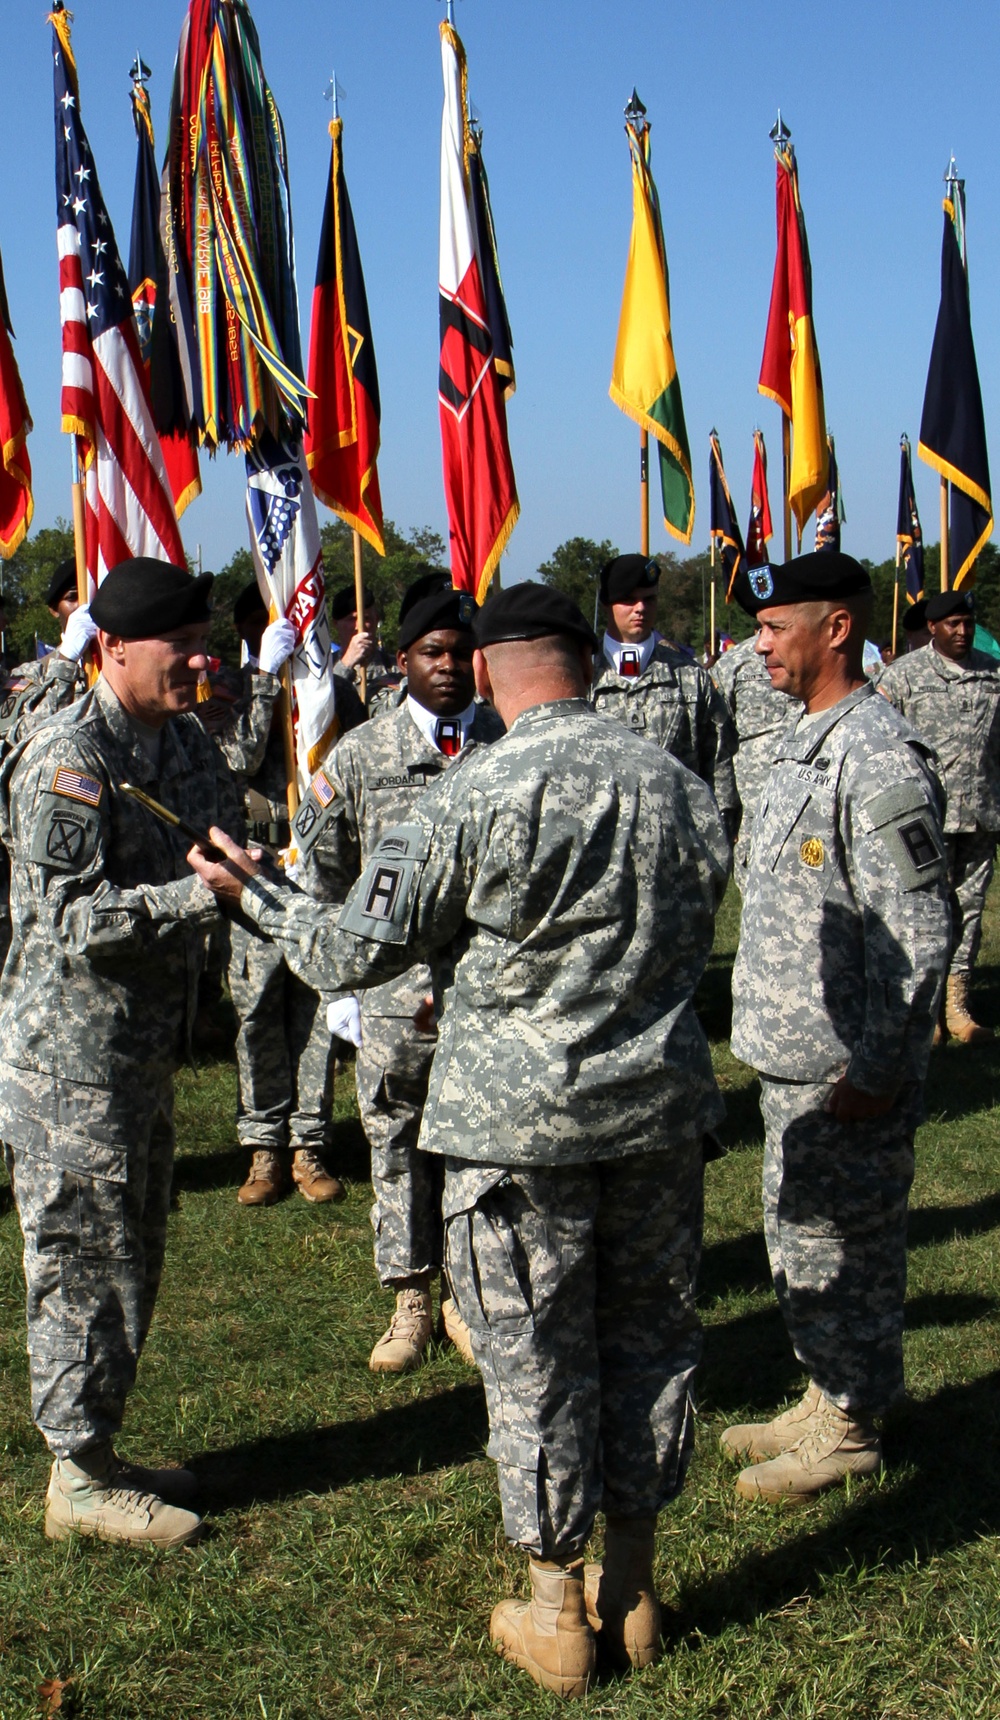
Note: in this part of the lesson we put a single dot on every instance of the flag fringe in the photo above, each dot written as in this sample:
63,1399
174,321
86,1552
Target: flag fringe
769,394
493,559
317,753
189,494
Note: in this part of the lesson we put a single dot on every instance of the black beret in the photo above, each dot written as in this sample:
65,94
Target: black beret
823,575
625,574
950,603
434,580
250,602
62,581
531,611
143,598
446,608
915,618
345,603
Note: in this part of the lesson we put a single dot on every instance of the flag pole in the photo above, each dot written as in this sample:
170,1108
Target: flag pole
644,491
79,526
786,479
944,534
359,609
711,611
895,601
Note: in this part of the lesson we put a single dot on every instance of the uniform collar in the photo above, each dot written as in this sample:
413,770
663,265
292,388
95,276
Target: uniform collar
613,649
805,739
427,722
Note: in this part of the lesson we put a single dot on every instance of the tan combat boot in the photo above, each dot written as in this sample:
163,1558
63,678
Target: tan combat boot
176,1486
621,1599
837,1445
312,1179
267,1179
549,1636
402,1347
958,1021
86,1497
455,1328
759,1440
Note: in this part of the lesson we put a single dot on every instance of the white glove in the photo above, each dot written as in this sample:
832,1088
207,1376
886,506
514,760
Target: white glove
276,645
79,632
343,1018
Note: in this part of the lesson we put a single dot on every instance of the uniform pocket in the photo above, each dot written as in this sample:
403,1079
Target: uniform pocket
485,1257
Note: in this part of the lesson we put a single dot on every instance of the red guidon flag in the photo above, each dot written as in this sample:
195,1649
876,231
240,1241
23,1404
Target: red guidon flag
16,505
478,473
342,439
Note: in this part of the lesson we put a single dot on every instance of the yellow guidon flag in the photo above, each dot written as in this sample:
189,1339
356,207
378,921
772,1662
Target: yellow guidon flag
644,380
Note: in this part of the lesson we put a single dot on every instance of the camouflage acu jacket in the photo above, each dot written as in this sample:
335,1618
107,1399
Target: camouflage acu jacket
109,925
759,716
34,691
674,703
846,926
370,782
562,885
956,707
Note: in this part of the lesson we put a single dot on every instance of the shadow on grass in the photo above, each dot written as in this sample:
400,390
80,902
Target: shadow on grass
951,1498
200,1173
928,1225
6,1199
742,1125
416,1438
714,997
749,1360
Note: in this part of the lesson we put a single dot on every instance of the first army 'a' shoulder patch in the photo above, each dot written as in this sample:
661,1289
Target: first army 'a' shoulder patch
381,905
902,818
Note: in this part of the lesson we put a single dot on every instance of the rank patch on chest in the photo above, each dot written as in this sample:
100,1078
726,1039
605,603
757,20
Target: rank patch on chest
812,853
323,788
75,786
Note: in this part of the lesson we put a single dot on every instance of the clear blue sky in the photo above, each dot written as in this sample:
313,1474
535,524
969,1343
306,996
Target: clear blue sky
876,97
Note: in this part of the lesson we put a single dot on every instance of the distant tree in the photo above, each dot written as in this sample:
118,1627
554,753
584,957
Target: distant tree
407,557
25,581
575,568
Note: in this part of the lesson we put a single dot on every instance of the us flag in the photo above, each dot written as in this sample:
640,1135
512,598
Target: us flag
105,398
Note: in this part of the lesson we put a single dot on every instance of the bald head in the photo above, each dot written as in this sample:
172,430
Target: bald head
519,673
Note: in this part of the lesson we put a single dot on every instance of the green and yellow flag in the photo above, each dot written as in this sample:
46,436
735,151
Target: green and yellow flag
644,380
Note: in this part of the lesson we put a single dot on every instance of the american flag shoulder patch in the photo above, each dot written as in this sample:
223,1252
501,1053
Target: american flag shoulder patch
75,786
323,788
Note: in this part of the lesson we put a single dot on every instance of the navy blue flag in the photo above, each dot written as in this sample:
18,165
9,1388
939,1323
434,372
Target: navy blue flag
909,536
724,529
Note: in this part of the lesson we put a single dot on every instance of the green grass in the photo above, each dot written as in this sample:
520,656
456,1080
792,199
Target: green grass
355,1547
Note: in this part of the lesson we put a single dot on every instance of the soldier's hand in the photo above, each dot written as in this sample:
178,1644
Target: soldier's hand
225,877
423,1019
847,1104
358,650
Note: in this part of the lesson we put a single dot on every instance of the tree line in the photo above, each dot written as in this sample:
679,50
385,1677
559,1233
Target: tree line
574,568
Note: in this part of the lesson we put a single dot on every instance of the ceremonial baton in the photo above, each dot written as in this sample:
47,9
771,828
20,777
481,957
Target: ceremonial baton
205,843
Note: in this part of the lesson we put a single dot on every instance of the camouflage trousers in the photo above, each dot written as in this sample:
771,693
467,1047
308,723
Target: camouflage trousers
835,1197
392,1071
970,871
284,1052
577,1284
91,1179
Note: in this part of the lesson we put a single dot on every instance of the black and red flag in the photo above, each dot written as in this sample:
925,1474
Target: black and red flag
478,472
16,503
724,530
489,262
759,527
909,537
952,427
147,279
342,439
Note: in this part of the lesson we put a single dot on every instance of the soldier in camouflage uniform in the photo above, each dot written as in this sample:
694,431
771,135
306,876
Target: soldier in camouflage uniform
367,786
562,884
95,1010
951,694
284,1052
838,975
654,689
759,715
359,647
